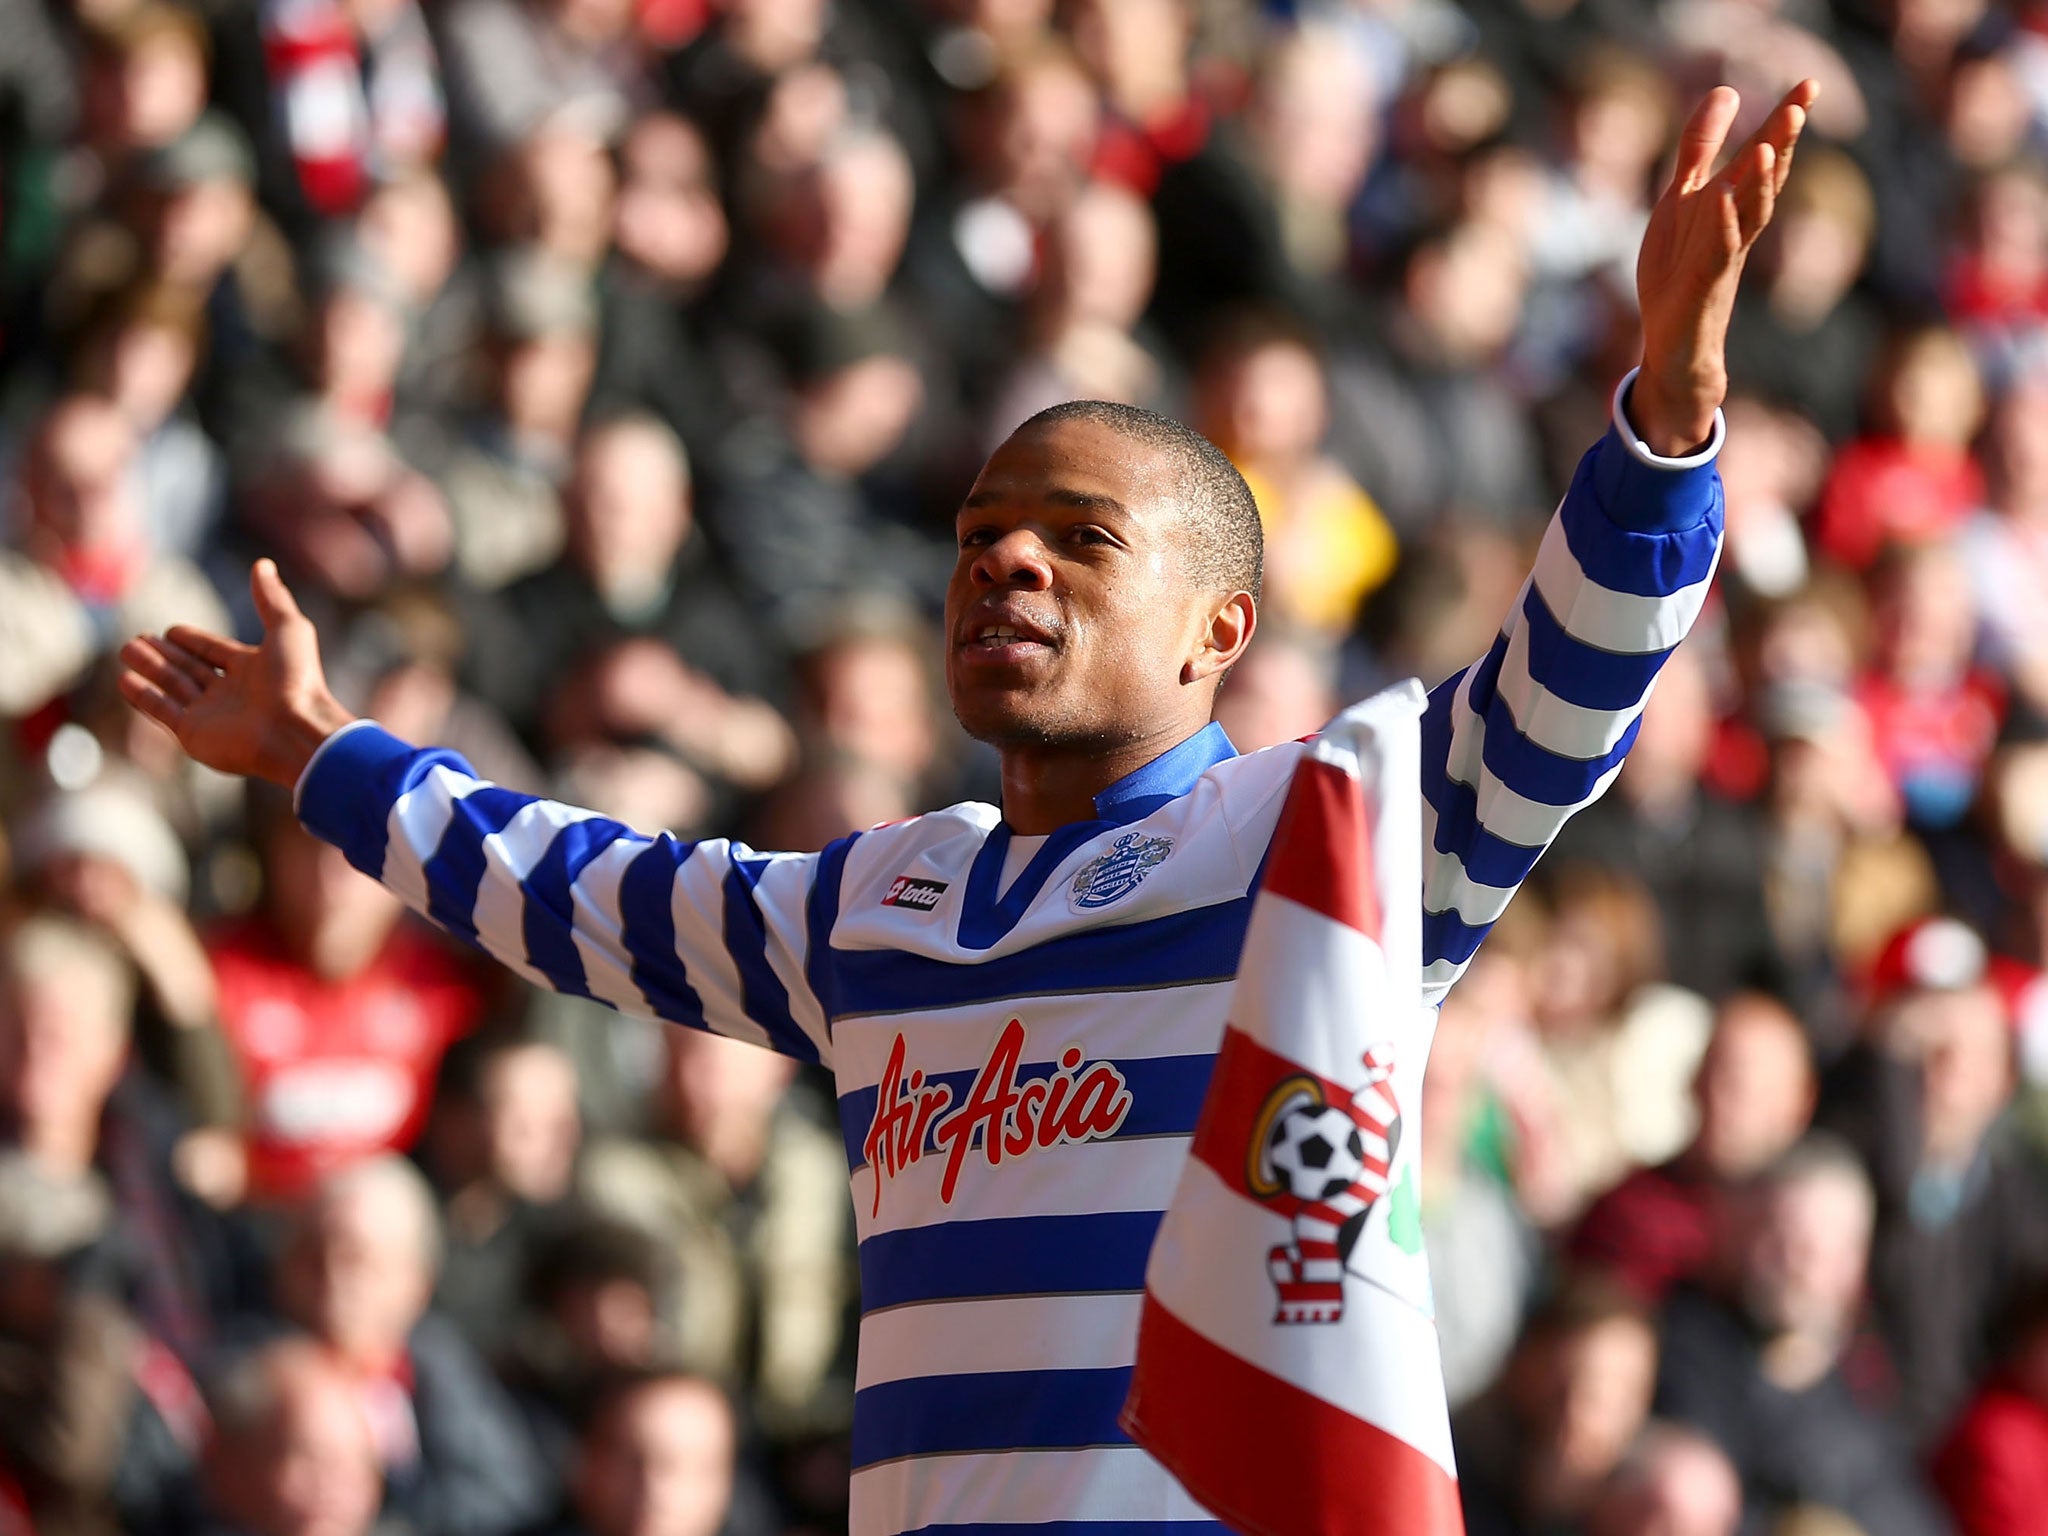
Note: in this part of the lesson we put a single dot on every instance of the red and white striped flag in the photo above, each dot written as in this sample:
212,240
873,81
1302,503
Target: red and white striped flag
1287,1369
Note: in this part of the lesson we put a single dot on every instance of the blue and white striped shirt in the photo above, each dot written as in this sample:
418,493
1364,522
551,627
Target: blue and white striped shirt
1019,1070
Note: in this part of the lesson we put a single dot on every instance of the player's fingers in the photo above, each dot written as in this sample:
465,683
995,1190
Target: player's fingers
215,650
1786,124
202,672
275,604
1756,190
152,701
1700,141
1782,128
152,662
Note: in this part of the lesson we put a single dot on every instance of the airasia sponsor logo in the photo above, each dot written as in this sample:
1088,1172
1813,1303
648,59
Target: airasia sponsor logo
1076,1103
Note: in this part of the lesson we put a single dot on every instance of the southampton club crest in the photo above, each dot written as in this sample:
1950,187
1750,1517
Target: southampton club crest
1323,1163
1117,873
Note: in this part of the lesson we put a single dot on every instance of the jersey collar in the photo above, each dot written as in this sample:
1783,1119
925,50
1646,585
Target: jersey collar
987,915
1167,777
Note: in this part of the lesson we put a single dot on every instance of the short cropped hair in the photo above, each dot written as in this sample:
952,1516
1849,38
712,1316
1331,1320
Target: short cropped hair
1227,547
1822,1155
403,1194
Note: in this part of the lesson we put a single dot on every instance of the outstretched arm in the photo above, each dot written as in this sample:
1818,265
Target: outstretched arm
1537,729
706,934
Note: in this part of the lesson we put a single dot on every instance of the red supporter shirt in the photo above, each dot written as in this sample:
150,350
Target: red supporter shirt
1651,1231
336,1071
1934,742
1994,1469
1882,491
1978,295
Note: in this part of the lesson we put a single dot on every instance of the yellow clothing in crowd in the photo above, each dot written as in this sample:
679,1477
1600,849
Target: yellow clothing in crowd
1328,545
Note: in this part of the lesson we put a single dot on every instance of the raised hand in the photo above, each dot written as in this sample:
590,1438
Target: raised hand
255,710
1699,236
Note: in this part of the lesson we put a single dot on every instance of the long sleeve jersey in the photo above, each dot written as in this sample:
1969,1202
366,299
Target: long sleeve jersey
1019,1067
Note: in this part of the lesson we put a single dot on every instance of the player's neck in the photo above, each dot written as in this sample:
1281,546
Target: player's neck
1049,787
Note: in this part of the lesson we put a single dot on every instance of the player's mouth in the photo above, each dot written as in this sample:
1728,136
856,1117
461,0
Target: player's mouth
1005,641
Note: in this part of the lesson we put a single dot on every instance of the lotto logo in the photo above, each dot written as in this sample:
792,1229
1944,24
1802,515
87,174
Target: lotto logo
1012,1113
923,895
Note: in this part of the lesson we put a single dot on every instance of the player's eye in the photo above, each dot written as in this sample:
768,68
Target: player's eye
1088,533
977,538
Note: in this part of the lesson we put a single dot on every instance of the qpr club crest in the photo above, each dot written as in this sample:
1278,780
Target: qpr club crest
1115,874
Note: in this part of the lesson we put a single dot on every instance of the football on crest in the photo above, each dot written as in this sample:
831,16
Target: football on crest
1315,1152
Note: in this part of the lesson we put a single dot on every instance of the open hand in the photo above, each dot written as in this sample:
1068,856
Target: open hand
255,710
1699,236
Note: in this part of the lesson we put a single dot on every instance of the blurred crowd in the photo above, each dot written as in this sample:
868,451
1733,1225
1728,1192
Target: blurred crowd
603,374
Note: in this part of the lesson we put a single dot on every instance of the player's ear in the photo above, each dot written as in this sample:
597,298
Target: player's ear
1222,642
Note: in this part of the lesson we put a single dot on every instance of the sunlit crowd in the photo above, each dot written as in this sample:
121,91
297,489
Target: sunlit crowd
604,374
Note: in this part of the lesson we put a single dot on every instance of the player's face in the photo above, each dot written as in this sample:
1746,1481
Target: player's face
1069,618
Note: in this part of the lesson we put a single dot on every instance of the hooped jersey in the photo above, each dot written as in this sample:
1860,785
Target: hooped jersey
1019,1066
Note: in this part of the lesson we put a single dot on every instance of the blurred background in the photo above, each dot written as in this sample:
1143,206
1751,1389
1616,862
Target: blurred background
604,373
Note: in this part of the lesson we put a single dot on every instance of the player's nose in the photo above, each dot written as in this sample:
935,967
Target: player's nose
1019,559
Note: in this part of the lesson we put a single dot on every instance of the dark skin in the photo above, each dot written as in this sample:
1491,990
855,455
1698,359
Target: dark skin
1075,540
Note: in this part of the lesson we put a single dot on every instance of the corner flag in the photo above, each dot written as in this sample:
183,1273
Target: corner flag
1287,1370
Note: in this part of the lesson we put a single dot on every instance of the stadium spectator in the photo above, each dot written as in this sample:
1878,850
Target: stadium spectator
2004,545
1475,1191
105,854
145,81
1961,1224
747,1192
1427,421
1025,138
567,654
1934,714
1998,278
1990,1469
98,1420
865,693
1803,334
1081,327
1700,851
1911,476
356,1274
1754,1092
1617,1045
501,1150
670,236
513,68
1841,872
591,1315
358,89
1570,1402
1283,690
1765,1374
1262,398
657,1460
1672,1482
144,356
337,1012
502,480
84,575
410,228
814,509
290,1451
73,1105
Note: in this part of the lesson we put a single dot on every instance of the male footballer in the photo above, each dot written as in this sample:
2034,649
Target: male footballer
1019,1007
